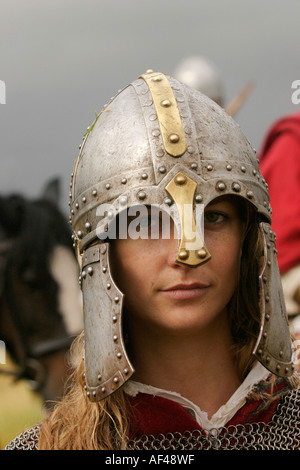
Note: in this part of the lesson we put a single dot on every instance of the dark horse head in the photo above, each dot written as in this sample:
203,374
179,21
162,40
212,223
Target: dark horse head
32,324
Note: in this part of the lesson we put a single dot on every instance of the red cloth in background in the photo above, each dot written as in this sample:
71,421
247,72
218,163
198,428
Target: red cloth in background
280,166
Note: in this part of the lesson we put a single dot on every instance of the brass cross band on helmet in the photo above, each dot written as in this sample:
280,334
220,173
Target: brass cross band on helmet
167,113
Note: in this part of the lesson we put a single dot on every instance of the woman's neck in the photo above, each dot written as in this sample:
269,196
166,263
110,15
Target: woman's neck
198,366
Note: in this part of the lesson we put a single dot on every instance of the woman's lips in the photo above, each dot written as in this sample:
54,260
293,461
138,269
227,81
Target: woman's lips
185,291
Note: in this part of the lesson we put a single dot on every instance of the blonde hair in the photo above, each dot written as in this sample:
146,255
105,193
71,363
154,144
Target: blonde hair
76,423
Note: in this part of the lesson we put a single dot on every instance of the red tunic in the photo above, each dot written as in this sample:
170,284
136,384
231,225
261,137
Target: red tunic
280,166
159,423
156,415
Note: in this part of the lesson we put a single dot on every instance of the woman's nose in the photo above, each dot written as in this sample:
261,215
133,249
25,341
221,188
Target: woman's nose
173,260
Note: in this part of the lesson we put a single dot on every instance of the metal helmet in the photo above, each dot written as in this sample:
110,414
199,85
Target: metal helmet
159,141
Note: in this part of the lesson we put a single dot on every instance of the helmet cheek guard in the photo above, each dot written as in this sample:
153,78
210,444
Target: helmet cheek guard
159,142
107,366
273,346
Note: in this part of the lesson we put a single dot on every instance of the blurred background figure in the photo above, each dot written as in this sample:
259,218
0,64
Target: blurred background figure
280,166
40,301
200,73
204,76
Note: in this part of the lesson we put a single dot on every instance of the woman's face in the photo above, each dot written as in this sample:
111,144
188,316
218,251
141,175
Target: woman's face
163,295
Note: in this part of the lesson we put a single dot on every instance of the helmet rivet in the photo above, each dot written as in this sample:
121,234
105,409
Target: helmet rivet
180,179
119,355
108,286
209,167
77,205
94,393
199,198
168,201
228,167
90,270
107,186
202,253
142,195
243,169
149,71
103,390
194,166
221,186
174,138
160,152
162,169
99,377
116,380
124,180
236,187
280,353
88,226
184,254
114,318
115,338
144,176
156,79
166,103
116,299
123,201
126,371
79,234
94,192
104,270
156,132
249,194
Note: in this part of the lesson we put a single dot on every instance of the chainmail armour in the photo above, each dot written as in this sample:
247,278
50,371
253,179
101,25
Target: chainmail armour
282,433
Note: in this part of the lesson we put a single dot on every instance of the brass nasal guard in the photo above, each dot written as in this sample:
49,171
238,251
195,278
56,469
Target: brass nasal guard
192,250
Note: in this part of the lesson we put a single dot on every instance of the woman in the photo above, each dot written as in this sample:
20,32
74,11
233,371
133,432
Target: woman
186,343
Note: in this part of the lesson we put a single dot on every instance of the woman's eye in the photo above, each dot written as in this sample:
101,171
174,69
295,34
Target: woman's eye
214,217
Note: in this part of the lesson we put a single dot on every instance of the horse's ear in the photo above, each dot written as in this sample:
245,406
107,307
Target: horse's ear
51,191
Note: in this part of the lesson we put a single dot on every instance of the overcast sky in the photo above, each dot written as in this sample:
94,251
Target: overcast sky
62,60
